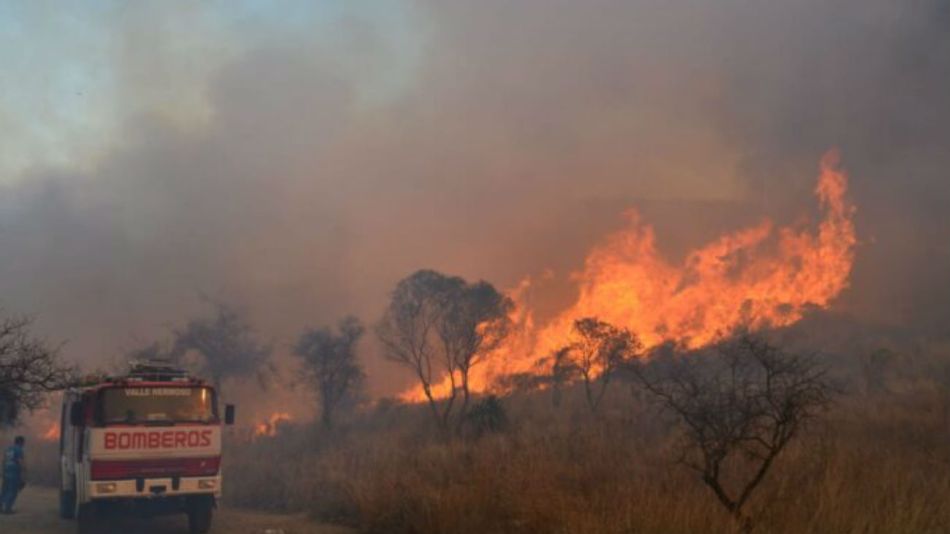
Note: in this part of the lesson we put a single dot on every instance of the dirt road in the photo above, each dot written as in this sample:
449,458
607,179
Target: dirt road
37,513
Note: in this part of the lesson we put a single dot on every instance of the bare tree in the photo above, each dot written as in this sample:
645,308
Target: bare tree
440,327
28,369
330,365
599,353
739,405
226,343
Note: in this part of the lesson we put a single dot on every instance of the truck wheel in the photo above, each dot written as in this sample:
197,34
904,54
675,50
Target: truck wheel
67,504
87,520
200,512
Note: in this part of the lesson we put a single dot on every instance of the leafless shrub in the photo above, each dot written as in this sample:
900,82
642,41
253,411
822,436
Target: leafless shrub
28,369
739,405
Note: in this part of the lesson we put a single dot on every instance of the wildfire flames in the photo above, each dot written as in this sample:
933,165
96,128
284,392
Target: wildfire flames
43,425
756,277
51,433
268,428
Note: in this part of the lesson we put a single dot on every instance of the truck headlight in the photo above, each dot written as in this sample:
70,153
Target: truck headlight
106,487
207,484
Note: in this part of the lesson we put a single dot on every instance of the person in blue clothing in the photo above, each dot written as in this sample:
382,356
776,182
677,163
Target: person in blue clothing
14,474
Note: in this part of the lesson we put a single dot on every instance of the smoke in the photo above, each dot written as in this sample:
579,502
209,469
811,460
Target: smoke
302,180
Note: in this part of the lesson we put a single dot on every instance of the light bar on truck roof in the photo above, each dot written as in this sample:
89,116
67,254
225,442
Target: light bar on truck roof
156,371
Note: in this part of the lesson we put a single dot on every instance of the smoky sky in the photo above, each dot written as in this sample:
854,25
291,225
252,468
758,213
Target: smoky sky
523,132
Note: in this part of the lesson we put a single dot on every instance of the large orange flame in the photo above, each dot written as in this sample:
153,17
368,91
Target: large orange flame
756,277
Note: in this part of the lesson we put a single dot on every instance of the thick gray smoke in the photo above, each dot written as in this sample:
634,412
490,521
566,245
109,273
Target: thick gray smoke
524,130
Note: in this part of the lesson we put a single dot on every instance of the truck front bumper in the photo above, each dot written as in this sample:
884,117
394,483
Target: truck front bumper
145,488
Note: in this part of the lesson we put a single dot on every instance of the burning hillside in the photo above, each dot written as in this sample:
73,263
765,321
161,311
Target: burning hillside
756,277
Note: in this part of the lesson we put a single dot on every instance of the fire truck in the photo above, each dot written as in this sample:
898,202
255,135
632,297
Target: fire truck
147,443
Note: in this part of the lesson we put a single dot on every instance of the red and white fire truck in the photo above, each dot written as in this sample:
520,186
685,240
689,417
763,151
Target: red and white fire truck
148,442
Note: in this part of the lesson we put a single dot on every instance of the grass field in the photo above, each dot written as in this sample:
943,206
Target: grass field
873,464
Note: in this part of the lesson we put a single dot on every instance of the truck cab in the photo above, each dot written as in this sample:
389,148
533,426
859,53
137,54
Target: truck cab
148,443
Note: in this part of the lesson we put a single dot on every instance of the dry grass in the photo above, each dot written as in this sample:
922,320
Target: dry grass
874,465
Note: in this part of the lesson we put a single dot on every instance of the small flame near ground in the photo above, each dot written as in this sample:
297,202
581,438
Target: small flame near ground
756,277
51,433
42,425
268,427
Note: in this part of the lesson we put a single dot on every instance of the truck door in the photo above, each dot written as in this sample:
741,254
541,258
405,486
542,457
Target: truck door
71,438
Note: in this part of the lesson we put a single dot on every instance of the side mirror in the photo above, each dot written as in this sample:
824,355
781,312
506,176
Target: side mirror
75,414
229,414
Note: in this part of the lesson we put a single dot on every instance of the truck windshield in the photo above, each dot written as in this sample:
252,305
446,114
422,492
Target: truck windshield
143,405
